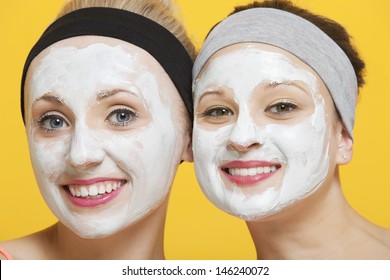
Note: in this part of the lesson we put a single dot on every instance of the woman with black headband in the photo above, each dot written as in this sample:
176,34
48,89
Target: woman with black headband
275,91
106,101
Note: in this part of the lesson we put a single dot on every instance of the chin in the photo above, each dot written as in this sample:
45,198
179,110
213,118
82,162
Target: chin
94,233
256,214
98,229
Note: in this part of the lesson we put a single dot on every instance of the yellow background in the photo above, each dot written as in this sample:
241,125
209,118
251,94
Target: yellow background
195,228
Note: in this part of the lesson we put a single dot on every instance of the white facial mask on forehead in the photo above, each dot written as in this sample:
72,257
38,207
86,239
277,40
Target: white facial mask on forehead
302,147
147,157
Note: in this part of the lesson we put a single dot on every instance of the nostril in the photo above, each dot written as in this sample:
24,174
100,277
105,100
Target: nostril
244,147
254,146
82,162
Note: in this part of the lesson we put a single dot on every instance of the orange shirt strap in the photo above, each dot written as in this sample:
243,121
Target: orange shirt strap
5,253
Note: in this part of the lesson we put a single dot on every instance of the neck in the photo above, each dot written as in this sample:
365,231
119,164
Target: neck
321,226
141,240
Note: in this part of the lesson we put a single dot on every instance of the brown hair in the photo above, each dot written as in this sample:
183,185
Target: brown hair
333,29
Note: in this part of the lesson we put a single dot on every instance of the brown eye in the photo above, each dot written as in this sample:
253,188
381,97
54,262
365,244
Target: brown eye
217,112
281,108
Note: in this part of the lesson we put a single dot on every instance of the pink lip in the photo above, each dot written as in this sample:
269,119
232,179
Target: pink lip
92,201
250,179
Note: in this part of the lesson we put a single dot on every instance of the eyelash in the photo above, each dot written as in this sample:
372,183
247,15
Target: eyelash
209,112
132,116
40,122
290,106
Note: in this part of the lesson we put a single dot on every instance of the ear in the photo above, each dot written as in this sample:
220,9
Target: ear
345,148
187,151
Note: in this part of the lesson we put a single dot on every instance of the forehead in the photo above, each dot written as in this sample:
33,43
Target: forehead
253,47
248,64
94,56
90,62
256,60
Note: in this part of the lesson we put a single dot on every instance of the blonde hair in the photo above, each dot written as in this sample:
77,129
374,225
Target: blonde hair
162,12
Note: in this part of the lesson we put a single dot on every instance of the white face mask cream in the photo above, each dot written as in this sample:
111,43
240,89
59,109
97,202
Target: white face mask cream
254,166
108,156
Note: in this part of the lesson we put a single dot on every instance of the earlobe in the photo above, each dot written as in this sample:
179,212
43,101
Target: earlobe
345,148
187,152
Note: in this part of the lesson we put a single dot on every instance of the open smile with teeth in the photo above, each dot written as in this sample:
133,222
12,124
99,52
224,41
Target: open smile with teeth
251,171
95,190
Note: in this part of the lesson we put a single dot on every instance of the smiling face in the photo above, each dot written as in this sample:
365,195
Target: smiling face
105,132
262,131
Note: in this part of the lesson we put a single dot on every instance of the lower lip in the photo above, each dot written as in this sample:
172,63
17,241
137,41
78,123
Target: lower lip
94,201
248,180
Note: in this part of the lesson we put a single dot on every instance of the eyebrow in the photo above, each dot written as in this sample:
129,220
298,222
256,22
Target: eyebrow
275,84
211,92
48,96
107,93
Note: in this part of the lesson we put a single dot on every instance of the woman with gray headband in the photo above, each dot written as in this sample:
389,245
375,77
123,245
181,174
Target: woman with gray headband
275,91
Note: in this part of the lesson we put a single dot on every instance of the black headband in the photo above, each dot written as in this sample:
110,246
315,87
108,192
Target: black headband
126,26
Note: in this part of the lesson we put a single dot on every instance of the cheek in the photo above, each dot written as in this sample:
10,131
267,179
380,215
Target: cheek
144,152
306,149
297,142
306,143
122,149
308,138
48,158
208,144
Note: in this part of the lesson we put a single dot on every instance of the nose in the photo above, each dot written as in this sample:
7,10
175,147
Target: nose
243,148
85,150
244,136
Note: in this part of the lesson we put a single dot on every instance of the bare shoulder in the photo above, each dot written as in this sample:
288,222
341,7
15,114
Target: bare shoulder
28,247
386,236
383,240
383,235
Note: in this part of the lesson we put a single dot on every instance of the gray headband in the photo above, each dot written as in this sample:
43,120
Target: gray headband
297,36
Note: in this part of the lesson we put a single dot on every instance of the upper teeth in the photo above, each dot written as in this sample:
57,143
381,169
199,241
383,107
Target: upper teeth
94,189
251,171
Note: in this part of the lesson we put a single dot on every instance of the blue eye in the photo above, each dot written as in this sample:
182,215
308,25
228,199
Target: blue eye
121,117
52,122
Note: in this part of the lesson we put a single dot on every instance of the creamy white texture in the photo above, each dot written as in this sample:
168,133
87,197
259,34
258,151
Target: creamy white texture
147,157
302,147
